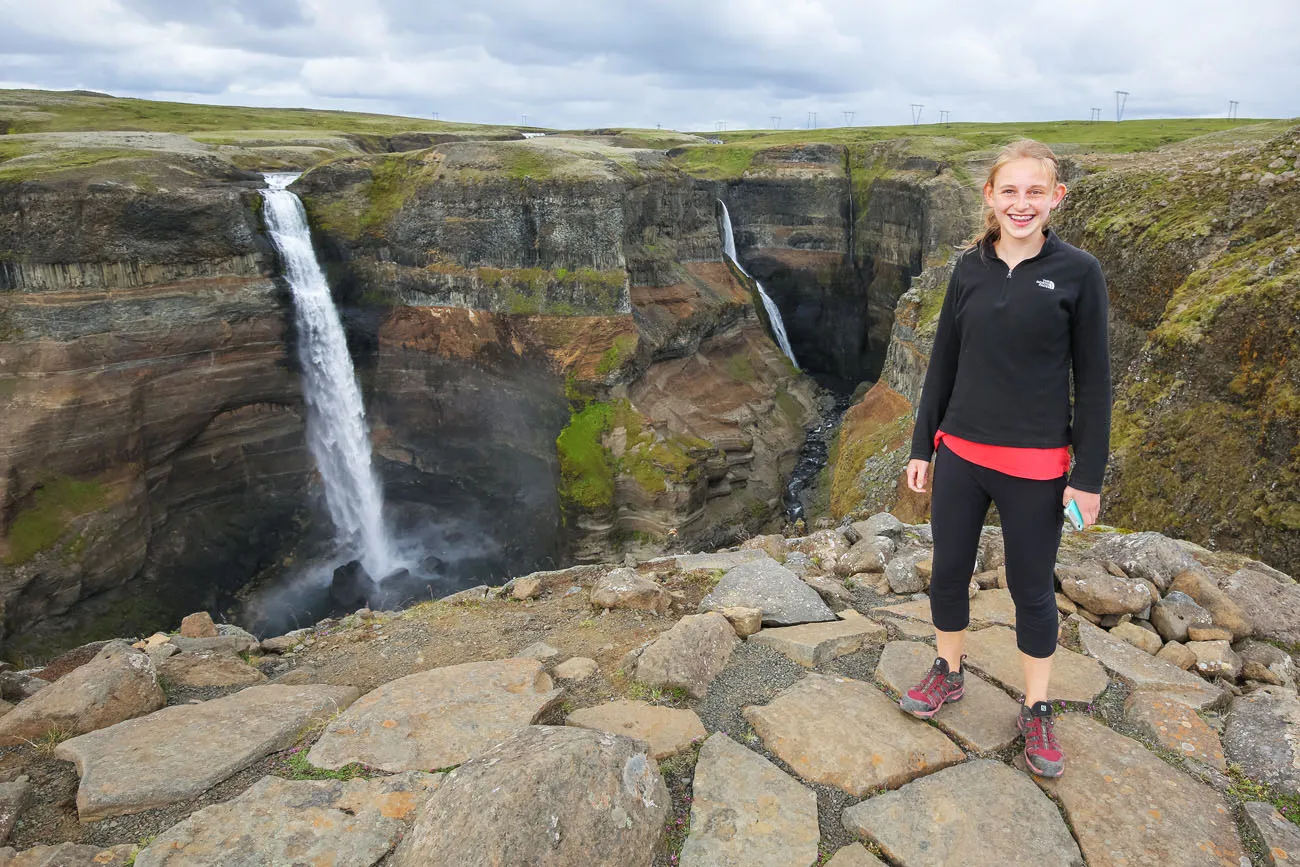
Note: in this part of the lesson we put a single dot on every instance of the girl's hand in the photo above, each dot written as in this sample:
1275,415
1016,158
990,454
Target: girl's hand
917,470
1089,504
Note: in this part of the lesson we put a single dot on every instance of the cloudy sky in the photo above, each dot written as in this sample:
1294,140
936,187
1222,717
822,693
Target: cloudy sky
685,64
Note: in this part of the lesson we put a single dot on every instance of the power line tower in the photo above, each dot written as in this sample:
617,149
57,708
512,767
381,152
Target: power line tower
1232,109
1121,100
812,120
435,115
525,120
848,118
945,117
1096,115
917,108
776,121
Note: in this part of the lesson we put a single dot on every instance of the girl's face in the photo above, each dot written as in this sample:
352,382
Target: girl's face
1022,197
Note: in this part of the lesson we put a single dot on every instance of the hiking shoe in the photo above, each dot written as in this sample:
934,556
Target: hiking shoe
938,686
1042,752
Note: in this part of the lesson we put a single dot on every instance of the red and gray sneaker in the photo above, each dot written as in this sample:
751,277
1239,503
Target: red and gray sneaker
938,686
1042,752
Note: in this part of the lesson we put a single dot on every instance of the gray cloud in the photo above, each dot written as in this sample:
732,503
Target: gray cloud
682,63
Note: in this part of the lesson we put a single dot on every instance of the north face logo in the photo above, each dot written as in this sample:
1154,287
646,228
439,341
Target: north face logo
1047,284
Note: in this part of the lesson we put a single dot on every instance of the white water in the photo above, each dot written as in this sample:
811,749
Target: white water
773,314
336,419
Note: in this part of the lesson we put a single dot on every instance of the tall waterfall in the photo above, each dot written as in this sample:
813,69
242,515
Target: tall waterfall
336,419
773,314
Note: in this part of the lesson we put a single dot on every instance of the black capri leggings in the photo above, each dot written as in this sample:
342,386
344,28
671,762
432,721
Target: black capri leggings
1031,530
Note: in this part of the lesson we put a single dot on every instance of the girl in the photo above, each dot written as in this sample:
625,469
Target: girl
1023,309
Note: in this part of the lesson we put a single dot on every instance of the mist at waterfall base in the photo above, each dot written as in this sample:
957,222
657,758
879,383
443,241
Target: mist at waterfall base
378,557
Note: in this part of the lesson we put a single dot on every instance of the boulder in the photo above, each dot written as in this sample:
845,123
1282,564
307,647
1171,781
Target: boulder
624,588
825,547
540,651
1091,586
765,584
805,726
285,643
478,704
963,815
1271,606
1208,633
1138,637
576,668
812,644
1265,663
879,524
526,588
199,625
831,589
1126,806
546,796
868,555
772,544
1223,611
344,824
72,855
1215,659
70,660
180,751
1142,671
118,684
1150,556
1177,654
746,621
1281,837
992,550
747,811
18,686
724,560
689,655
902,572
1174,614
208,669
352,587
14,797
478,593
667,730
1262,734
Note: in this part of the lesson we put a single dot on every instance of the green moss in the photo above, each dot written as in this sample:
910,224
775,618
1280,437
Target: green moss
790,407
586,467
293,765
524,161
740,366
716,162
56,504
54,162
612,359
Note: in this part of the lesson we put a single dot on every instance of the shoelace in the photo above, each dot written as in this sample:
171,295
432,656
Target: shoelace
1039,734
930,687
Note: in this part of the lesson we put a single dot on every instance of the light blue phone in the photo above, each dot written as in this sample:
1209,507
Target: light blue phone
1072,512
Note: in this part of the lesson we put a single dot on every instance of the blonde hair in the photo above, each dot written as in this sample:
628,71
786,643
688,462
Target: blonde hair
1020,149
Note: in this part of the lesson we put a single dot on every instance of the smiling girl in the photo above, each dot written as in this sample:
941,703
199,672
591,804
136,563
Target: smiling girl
1024,310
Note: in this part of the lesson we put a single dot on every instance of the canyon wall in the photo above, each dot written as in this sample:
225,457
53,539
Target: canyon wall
151,441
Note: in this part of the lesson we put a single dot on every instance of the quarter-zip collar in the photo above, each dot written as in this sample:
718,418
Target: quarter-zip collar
1051,244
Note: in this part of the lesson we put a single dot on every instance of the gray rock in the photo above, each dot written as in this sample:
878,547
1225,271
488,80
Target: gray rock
285,643
825,547
868,555
1265,663
118,684
17,686
1225,612
1150,556
879,524
902,574
973,814
1091,586
854,855
71,855
547,796
209,668
812,644
667,730
799,563
1176,653
1138,637
220,644
1281,837
1141,671
992,550
478,704
624,588
1173,615
689,655
721,560
472,594
747,811
199,625
1272,607
1263,736
784,599
1215,659
13,800
344,824
177,752
540,651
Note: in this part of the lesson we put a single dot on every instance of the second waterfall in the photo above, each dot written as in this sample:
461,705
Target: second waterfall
336,420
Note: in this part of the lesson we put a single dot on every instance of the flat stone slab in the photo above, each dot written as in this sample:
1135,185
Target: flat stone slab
1142,671
276,821
916,609
1281,837
765,584
747,811
1175,726
667,730
70,855
546,796
811,644
1074,677
1128,807
983,720
1263,736
846,733
989,608
437,718
209,668
180,751
978,814
854,855
724,560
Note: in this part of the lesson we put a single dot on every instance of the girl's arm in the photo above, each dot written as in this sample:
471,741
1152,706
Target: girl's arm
1090,356
939,376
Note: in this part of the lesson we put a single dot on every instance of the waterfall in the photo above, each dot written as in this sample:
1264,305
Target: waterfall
336,419
773,314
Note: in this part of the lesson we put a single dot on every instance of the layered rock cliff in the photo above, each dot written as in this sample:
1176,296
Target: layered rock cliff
151,448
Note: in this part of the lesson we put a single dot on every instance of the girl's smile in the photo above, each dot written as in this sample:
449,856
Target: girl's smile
1022,197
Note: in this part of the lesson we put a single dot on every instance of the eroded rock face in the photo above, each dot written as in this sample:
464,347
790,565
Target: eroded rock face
551,796
151,414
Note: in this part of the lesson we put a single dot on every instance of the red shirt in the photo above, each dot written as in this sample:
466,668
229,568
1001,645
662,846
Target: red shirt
1024,463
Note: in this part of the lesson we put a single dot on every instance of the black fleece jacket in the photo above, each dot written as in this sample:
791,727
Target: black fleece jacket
1005,346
